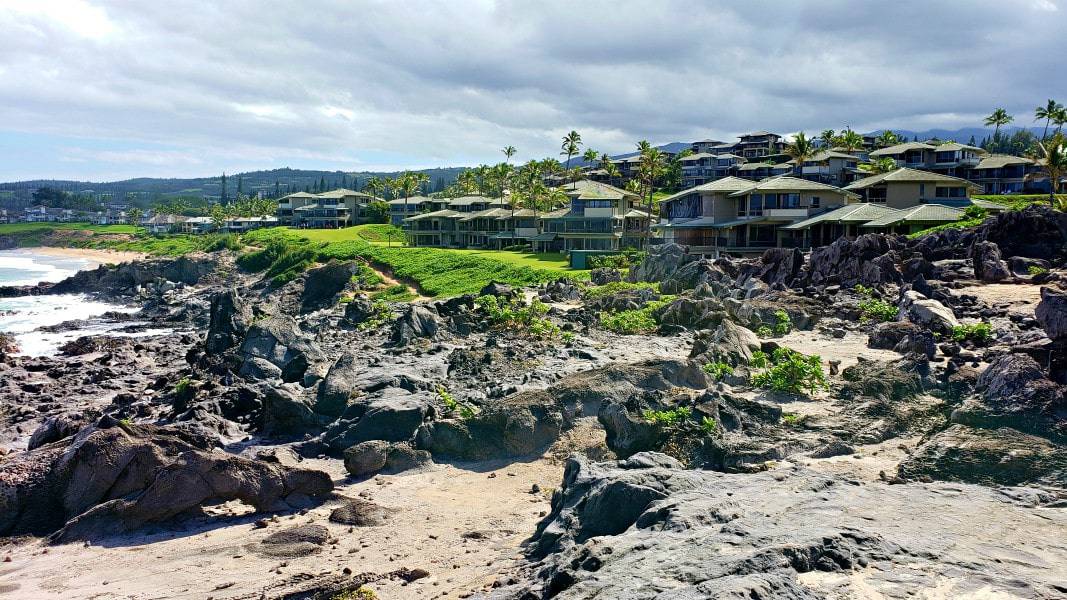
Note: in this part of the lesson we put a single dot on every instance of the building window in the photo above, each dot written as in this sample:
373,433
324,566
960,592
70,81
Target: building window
922,191
877,194
815,201
755,205
789,200
950,192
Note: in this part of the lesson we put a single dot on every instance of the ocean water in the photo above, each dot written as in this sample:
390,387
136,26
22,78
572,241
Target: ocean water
22,316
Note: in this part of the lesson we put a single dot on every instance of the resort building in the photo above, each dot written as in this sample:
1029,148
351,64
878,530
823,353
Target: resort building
328,210
702,167
1003,173
602,217
736,215
830,166
950,158
759,144
457,222
905,188
402,208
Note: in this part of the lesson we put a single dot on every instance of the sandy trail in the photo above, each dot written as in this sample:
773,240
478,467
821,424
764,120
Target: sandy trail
462,523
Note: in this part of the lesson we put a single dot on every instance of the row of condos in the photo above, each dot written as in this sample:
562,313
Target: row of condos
756,156
597,216
328,210
734,215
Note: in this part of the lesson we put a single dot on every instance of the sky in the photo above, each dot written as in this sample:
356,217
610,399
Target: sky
100,91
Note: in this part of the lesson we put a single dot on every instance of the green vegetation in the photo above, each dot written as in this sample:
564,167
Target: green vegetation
451,404
184,391
874,309
974,218
282,260
793,419
1035,270
515,315
617,261
394,293
615,287
641,320
667,418
764,331
759,360
782,323
380,315
979,333
437,271
791,371
112,237
361,593
718,370
708,425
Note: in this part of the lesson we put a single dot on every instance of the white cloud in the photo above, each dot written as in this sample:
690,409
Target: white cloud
243,85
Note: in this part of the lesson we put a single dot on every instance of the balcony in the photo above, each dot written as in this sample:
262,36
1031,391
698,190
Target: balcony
787,213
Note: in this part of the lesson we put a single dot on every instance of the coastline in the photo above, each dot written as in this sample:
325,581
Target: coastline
96,256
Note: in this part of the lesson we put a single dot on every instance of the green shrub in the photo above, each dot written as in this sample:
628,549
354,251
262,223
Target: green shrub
708,425
718,370
184,389
877,310
791,371
782,324
667,418
615,287
764,332
361,593
380,315
793,420
1036,270
451,404
226,241
760,360
863,290
515,315
979,333
367,278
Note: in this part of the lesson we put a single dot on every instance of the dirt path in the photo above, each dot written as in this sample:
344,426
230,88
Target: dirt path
390,279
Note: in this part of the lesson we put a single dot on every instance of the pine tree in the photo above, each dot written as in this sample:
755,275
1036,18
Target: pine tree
240,186
277,188
971,142
222,197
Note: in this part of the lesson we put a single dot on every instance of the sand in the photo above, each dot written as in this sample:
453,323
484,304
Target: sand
93,255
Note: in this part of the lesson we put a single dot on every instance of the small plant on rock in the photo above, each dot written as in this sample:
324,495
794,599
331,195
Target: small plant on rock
793,372
361,593
760,360
1035,270
447,399
718,370
979,333
875,309
669,417
708,425
782,323
515,315
380,314
765,332
184,389
793,419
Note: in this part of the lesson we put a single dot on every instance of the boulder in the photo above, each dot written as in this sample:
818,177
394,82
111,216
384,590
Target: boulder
1014,392
360,513
60,426
729,343
114,480
1038,231
373,456
498,289
339,385
229,322
604,275
278,340
660,263
781,266
1002,456
322,285
393,415
988,264
927,312
359,309
286,412
864,260
693,313
1051,312
417,322
521,425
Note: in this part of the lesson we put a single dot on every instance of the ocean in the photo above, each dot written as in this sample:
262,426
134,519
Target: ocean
22,316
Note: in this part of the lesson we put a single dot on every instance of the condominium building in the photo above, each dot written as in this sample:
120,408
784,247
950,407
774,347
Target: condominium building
328,210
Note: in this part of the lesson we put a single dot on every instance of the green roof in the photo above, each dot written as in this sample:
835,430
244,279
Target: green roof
444,214
998,161
410,200
853,213
491,213
906,175
792,184
924,213
726,184
468,200
901,148
587,189
342,192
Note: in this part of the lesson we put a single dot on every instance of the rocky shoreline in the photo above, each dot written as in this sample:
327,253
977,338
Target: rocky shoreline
331,442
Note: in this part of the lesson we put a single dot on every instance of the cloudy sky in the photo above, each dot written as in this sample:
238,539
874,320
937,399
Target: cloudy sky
107,90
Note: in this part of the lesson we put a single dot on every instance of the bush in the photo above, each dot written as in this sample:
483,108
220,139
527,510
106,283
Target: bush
718,370
979,333
380,315
394,293
630,322
515,315
378,211
1034,270
615,287
877,310
793,420
791,371
708,425
782,324
226,241
183,391
764,332
667,418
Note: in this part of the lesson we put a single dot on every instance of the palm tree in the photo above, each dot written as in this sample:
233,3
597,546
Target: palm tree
407,183
998,118
882,165
133,216
650,168
828,137
374,187
850,140
612,171
1060,118
886,139
673,173
571,142
590,156
509,151
800,149
1048,113
1053,155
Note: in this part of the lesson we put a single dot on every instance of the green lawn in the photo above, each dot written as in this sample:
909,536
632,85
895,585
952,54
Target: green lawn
24,228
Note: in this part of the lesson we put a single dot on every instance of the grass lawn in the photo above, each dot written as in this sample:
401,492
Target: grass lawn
29,228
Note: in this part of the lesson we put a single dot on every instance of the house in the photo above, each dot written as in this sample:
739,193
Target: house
457,222
700,168
160,223
843,222
197,225
762,170
602,217
402,208
906,187
241,224
1003,173
830,166
708,146
759,144
4,216
950,158
328,210
739,216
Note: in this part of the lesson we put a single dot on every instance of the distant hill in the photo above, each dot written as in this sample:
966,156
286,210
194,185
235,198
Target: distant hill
962,135
145,191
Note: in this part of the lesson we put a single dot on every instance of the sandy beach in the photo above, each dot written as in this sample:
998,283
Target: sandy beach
96,256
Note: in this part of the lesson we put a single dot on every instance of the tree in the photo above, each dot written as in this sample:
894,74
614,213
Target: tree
1053,155
800,150
378,211
1048,113
590,156
882,165
374,187
406,184
886,139
1060,118
222,196
998,118
850,140
508,151
571,142
828,137
218,216
650,167
672,176
133,216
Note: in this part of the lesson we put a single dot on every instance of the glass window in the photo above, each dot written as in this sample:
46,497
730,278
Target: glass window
953,192
815,201
755,205
789,200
